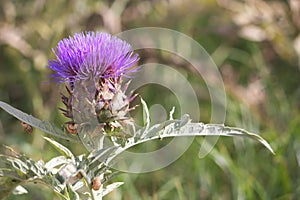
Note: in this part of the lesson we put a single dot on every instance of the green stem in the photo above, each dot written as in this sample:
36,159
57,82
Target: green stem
89,187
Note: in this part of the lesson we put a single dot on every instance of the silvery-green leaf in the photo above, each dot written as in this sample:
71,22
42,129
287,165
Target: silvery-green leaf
19,169
36,168
101,155
200,129
146,115
185,128
171,113
109,188
19,190
110,176
62,149
45,126
71,193
78,185
56,161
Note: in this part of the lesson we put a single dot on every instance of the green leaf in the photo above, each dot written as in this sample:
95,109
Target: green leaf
185,128
19,190
106,190
17,169
56,161
110,176
71,193
111,187
101,154
171,113
62,149
45,126
146,115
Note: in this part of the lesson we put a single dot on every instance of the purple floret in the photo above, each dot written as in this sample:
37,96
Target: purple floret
92,55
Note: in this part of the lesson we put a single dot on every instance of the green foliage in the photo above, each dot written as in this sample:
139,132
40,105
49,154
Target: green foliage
40,124
67,174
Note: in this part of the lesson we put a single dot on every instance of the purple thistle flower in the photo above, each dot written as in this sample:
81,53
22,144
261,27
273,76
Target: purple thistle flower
92,55
93,64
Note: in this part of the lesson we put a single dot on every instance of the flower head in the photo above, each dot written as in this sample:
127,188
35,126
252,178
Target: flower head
93,64
92,55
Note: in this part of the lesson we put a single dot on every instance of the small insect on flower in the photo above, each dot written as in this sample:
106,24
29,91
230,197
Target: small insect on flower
72,128
96,183
26,127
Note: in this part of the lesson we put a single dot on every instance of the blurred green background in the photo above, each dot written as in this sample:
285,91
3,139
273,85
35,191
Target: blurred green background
256,46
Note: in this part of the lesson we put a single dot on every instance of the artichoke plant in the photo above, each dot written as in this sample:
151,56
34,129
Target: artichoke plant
97,104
